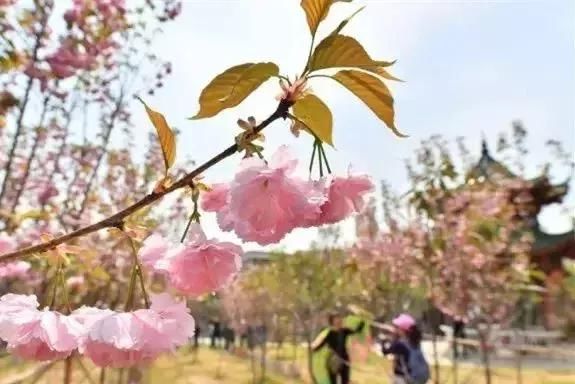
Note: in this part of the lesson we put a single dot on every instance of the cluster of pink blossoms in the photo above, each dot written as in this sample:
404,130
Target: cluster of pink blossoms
108,338
15,269
196,267
266,201
93,28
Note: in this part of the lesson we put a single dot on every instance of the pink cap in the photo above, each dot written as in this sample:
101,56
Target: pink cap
403,322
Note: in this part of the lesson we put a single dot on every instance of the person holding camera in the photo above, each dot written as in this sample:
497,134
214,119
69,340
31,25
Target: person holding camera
404,343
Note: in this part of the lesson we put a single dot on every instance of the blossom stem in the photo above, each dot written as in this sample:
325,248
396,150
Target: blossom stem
322,151
117,218
319,157
65,292
55,281
137,267
195,216
312,156
131,289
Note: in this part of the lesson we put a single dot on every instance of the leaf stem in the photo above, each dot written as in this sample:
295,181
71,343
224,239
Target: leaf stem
305,70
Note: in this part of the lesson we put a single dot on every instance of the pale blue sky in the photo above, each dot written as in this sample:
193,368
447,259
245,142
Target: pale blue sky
470,67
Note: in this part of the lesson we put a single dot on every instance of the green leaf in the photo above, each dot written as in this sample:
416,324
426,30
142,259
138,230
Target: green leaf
373,92
231,87
316,11
340,51
165,135
342,25
313,112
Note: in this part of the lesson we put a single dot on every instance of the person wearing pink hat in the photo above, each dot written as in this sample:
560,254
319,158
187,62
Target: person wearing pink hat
409,365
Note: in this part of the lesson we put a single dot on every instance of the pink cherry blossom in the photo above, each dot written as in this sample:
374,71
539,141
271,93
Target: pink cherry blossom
215,199
177,324
346,196
33,334
16,269
46,193
201,266
134,338
153,249
266,202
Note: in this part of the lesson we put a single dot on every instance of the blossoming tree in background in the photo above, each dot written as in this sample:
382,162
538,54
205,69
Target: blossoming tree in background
75,206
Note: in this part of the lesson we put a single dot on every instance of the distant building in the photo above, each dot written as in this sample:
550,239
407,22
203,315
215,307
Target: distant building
548,250
256,257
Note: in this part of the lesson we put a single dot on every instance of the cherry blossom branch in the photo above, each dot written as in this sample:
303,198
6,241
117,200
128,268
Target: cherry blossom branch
28,166
118,218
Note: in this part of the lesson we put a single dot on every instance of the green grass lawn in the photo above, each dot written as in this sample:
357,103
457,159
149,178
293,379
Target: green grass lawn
221,367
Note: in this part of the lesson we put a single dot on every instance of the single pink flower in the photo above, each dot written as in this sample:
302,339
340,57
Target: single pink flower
33,334
202,265
215,199
117,340
346,196
153,249
177,323
266,202
134,338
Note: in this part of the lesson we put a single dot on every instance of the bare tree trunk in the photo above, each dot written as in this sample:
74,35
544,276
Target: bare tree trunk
309,357
519,361
134,376
485,355
454,357
102,375
263,362
437,374
68,370
253,365
455,365
294,342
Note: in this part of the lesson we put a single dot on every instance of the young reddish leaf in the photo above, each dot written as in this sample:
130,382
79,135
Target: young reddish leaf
165,135
312,112
339,51
373,92
316,11
231,87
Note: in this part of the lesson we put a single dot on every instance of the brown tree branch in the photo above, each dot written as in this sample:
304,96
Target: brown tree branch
117,219
20,121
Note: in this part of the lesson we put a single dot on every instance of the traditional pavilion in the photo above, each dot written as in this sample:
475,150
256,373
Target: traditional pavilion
548,250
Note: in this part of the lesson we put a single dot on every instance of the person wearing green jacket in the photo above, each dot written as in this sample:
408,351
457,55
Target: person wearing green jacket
335,339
